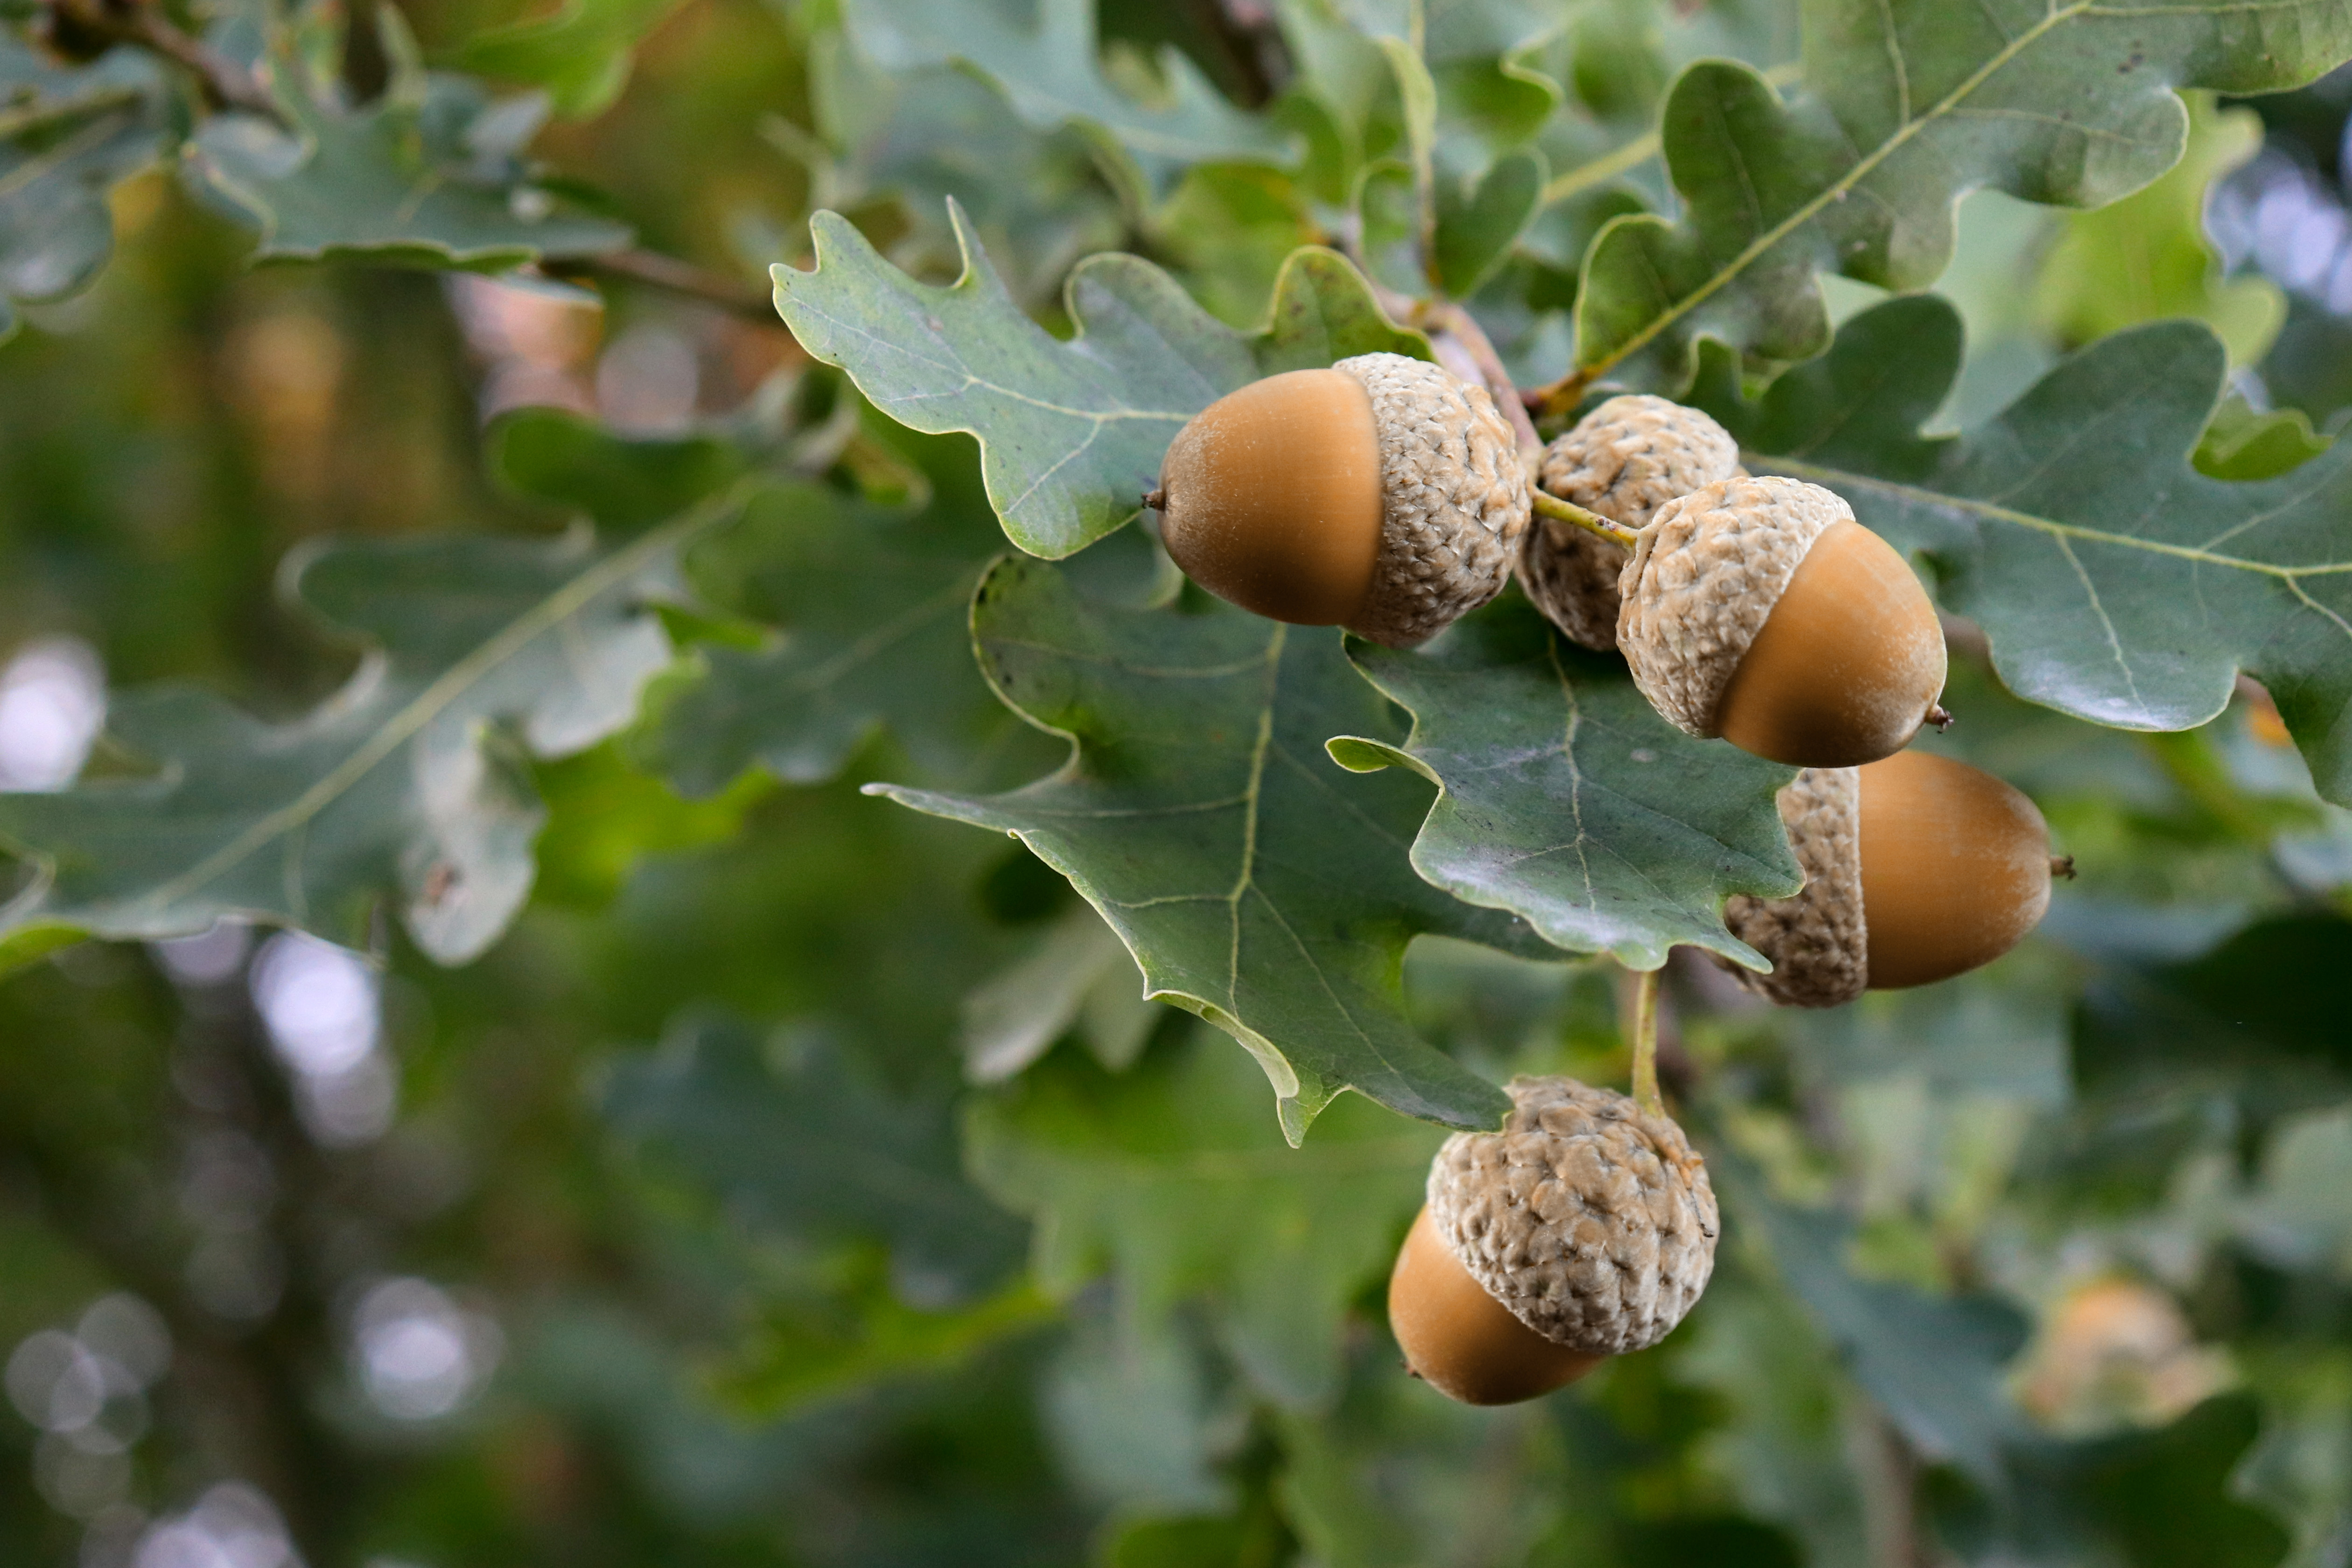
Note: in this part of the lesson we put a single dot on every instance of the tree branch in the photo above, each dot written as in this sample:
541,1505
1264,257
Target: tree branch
229,84
226,83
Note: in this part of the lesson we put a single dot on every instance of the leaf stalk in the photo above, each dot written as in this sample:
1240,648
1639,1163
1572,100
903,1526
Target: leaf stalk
1551,506
1645,1042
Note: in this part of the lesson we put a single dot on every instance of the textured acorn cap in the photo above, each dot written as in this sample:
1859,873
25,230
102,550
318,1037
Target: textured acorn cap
1817,940
1454,495
1703,579
1624,460
1589,1217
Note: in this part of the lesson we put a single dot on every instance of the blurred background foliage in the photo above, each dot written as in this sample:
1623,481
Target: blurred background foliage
800,1181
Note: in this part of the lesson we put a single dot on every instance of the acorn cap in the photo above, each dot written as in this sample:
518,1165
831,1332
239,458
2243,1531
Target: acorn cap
1624,460
1703,579
1817,940
1590,1218
1453,496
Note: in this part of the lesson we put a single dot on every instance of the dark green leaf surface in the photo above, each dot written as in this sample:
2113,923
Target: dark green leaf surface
1477,230
1565,799
2116,582
1906,106
1254,881
67,135
1937,1366
1044,58
869,604
1071,434
1170,1179
407,785
430,175
792,1138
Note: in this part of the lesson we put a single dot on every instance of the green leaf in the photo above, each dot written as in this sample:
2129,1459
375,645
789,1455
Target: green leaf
580,52
409,784
69,134
2246,443
1936,1366
2147,257
1042,56
2115,583
430,175
1475,230
1128,1406
1252,881
1079,974
603,817
798,1352
1170,1179
1039,198
1071,434
1565,799
626,483
1908,105
869,606
793,1140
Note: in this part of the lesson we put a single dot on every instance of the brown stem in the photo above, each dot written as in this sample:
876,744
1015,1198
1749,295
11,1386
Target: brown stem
1556,398
1937,716
1457,324
2063,866
674,276
1548,505
1645,1042
229,84
226,83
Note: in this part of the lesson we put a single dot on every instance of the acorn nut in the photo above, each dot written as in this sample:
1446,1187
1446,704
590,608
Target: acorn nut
1624,460
1760,610
1383,494
1584,1230
1917,867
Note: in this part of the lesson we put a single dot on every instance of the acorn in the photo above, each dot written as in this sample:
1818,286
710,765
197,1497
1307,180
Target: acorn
1584,1230
1384,495
1917,867
1623,462
1760,610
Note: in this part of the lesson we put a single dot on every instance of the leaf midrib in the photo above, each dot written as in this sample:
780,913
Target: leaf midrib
410,719
1995,513
1836,191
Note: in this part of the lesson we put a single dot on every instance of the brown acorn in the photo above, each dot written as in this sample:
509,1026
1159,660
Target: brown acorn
1584,1230
1760,611
1383,494
1917,867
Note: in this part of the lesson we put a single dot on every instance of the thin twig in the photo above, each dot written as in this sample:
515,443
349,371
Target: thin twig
1549,505
1556,398
230,84
1646,1043
226,83
16,123
674,276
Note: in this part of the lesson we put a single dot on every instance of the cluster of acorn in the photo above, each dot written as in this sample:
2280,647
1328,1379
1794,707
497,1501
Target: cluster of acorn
1387,496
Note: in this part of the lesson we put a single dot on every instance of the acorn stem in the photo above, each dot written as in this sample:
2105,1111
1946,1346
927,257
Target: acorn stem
1645,1042
1549,505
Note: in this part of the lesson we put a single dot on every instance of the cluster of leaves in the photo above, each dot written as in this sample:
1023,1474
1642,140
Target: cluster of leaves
925,1234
